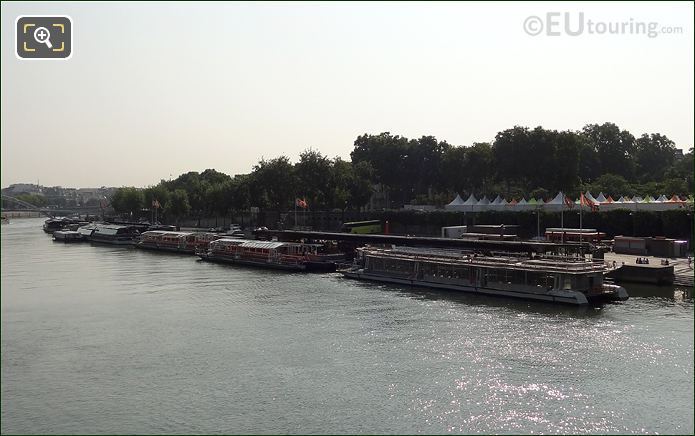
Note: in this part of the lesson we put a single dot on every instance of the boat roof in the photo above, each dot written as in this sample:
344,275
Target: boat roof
166,232
253,243
453,257
111,226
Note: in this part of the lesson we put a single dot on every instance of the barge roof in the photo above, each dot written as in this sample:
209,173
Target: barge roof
565,265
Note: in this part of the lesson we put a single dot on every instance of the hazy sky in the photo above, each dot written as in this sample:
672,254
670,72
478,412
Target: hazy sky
159,89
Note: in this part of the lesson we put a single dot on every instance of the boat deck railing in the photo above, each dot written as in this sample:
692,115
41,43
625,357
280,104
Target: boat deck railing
567,264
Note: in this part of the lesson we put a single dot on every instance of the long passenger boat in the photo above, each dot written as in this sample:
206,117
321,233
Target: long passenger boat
54,224
563,280
291,256
114,234
179,242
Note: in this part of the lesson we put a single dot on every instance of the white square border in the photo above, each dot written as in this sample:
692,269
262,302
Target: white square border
72,36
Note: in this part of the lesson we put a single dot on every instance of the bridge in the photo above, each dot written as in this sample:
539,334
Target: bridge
48,211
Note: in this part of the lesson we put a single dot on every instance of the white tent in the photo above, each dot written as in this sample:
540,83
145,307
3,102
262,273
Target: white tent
497,203
556,204
483,204
469,204
455,204
522,205
662,197
601,198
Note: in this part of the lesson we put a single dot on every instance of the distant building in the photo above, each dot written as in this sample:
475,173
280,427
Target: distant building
92,195
22,188
60,196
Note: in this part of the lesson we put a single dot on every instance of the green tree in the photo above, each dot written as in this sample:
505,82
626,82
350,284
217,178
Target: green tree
614,148
128,200
610,184
654,154
338,188
240,192
513,156
178,205
313,173
158,193
359,186
386,155
454,173
565,171
276,180
422,165
479,166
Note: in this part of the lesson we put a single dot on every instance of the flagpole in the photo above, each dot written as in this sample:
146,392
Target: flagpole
562,217
295,212
581,203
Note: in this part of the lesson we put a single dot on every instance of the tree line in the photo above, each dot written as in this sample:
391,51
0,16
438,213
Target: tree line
520,162
524,162
274,184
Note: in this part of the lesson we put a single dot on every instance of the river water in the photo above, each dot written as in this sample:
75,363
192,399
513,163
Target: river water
102,339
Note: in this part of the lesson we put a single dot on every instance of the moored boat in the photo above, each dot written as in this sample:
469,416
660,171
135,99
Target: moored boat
67,236
114,234
291,256
87,230
180,242
53,224
553,279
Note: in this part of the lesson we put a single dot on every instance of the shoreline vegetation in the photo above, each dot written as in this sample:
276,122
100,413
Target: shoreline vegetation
519,163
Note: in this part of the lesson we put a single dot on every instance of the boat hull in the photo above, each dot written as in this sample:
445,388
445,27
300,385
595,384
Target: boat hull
67,237
100,240
554,296
248,262
165,248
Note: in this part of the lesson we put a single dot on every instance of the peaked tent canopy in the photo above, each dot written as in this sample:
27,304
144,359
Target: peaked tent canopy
471,201
590,197
457,201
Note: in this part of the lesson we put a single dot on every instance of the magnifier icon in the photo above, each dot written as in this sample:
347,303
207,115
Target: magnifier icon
43,36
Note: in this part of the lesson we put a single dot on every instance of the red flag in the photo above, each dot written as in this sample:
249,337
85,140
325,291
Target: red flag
568,202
